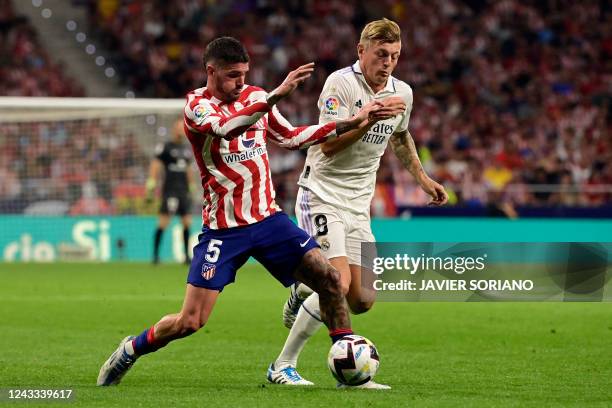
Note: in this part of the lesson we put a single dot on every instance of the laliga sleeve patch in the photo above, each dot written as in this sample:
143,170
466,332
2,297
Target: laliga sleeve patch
331,106
201,112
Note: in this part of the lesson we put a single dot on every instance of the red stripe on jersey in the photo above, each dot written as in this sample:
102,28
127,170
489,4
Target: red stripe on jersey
269,186
235,177
199,128
207,199
205,208
244,95
248,111
208,180
321,132
220,177
233,146
221,192
195,101
287,133
258,107
249,164
254,169
275,124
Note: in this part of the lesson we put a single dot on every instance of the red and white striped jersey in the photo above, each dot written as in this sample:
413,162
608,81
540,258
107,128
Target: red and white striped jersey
229,144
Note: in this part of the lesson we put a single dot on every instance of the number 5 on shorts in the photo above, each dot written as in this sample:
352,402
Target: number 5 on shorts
213,251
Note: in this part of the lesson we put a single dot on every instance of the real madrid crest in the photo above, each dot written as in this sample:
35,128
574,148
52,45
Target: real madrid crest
325,244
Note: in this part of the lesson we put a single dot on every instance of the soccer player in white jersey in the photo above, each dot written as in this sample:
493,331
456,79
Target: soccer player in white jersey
228,124
338,180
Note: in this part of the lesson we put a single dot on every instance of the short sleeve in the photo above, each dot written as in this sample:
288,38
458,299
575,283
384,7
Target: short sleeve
200,112
335,100
407,96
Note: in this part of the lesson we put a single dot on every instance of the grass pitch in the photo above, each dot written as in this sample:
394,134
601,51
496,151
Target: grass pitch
61,321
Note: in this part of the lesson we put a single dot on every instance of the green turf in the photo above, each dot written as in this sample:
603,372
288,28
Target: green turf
60,322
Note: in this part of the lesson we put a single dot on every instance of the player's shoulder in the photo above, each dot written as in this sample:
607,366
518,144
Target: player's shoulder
198,93
198,105
344,72
341,81
342,75
199,96
402,89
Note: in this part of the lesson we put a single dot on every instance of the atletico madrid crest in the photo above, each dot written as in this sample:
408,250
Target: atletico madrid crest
208,271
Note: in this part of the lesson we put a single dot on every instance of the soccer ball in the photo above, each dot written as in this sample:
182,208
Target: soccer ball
353,360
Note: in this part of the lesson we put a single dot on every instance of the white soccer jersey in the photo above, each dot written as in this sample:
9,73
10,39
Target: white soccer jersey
229,145
348,178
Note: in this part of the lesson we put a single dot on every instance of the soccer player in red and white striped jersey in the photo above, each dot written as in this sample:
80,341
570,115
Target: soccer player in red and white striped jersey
228,124
229,142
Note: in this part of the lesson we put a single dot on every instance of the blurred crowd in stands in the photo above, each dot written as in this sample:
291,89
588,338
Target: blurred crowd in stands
511,98
78,167
26,68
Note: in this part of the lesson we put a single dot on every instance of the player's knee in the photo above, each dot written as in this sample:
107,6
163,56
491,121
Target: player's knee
189,324
324,277
360,306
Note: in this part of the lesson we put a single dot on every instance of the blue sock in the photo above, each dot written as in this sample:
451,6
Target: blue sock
144,343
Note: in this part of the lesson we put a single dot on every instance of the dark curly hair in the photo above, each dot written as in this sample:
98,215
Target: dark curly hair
225,50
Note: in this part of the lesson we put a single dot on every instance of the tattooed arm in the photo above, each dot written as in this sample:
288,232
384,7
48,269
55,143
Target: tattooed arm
405,150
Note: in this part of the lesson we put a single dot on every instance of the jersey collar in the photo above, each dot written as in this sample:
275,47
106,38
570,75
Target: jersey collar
389,88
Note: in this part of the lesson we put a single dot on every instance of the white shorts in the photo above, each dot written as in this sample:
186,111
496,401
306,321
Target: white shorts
338,232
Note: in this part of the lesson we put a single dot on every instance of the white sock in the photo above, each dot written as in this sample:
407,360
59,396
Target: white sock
307,322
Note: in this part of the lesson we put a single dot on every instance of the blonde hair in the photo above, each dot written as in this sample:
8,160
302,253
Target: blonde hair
385,31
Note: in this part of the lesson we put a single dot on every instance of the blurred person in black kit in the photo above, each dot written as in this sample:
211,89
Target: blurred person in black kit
174,157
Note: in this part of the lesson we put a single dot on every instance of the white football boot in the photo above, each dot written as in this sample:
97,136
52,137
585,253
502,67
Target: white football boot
117,365
370,385
286,375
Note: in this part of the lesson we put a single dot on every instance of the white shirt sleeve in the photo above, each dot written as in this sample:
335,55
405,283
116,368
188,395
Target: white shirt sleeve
403,126
335,100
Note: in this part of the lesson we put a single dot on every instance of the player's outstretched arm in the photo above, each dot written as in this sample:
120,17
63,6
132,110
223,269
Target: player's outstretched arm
385,109
286,135
202,117
405,150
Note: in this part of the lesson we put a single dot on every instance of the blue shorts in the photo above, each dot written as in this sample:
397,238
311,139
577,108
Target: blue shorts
276,242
